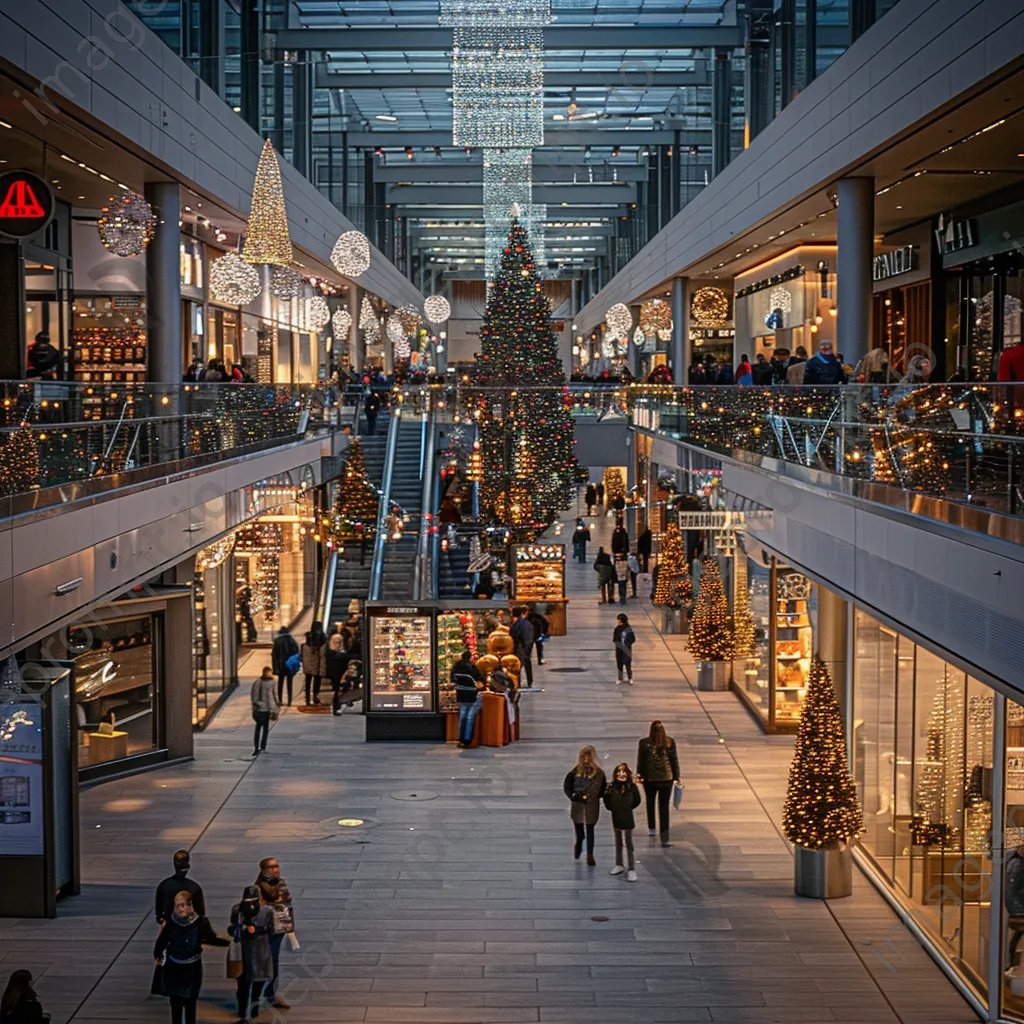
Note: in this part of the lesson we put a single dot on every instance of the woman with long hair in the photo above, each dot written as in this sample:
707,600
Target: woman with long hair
584,786
179,950
20,1005
314,661
657,766
251,925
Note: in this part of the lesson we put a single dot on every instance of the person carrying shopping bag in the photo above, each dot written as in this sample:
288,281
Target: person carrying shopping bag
622,797
657,766
251,926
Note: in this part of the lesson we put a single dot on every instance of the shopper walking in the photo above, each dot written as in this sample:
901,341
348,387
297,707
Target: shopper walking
314,661
541,628
336,662
252,926
600,494
796,367
643,549
590,498
623,639
605,576
580,540
178,882
179,957
621,576
620,539
469,693
634,570
744,372
657,766
275,894
523,637
20,1004
823,367
622,797
371,406
264,709
285,648
584,786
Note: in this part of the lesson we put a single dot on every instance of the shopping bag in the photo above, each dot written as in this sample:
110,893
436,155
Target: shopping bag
293,664
234,960
677,794
156,987
293,942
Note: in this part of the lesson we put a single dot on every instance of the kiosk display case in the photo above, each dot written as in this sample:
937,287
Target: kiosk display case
539,577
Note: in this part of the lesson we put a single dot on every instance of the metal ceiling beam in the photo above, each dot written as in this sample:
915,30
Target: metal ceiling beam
630,80
442,172
553,195
409,40
419,231
590,133
446,211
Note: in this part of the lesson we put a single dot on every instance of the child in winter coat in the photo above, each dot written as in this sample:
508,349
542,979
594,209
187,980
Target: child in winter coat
621,797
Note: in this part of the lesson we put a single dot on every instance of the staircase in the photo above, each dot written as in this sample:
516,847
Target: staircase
453,579
398,572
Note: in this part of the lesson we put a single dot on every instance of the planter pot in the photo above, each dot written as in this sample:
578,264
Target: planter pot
712,676
671,621
823,874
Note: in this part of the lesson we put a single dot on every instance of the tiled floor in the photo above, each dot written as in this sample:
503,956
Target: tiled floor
458,901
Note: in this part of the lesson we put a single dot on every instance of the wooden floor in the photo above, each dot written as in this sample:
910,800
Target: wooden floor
457,899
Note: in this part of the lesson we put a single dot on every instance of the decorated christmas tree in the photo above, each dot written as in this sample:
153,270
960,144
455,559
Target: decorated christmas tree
744,632
710,631
674,587
821,809
614,487
520,399
356,503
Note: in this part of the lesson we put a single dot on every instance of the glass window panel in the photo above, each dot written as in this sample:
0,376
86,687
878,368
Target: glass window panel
904,809
756,670
1013,865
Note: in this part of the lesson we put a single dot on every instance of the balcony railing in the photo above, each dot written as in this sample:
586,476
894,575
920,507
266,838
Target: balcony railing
960,442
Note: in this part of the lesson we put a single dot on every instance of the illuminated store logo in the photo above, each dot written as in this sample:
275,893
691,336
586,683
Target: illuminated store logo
892,264
26,204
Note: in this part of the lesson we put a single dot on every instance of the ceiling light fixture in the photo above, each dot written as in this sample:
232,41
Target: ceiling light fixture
385,117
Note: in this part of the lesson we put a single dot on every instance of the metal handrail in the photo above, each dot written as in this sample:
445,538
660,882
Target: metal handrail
421,587
379,541
326,596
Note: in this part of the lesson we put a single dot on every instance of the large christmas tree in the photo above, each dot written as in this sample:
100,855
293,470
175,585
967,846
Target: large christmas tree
520,399
356,502
710,632
821,808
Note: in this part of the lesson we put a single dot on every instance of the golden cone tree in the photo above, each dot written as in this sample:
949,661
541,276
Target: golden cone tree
356,504
674,586
710,628
266,238
821,809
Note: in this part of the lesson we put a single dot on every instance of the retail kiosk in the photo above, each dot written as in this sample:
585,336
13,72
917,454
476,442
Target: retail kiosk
538,577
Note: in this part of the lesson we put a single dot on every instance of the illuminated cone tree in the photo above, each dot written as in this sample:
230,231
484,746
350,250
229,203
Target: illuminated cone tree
710,628
355,505
613,485
674,587
266,237
821,810
520,399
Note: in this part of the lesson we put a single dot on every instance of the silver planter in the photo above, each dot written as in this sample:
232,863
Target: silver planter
712,676
671,621
823,874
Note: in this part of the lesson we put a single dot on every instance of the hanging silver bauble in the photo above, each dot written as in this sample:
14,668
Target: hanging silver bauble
233,281
285,282
437,309
351,254
127,224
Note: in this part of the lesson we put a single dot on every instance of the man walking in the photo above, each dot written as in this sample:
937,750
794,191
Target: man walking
274,892
522,636
623,638
634,570
178,882
284,648
371,406
580,539
264,708
466,678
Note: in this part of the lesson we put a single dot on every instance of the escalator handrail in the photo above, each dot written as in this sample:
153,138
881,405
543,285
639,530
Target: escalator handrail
379,541
422,587
326,599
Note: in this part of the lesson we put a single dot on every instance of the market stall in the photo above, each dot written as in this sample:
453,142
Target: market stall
538,575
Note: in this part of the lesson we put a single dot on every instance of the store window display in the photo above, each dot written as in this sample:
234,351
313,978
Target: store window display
214,650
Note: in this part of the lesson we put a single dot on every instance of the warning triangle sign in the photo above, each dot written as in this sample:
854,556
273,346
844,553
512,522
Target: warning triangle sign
20,203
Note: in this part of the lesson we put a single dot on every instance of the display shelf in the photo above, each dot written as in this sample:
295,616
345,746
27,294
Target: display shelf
539,572
793,641
456,631
400,658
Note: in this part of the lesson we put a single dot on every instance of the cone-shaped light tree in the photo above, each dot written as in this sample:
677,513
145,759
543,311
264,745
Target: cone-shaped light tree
821,810
674,587
354,514
520,399
710,632
266,238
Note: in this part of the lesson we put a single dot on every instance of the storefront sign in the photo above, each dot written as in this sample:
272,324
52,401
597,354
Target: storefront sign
957,235
26,204
892,264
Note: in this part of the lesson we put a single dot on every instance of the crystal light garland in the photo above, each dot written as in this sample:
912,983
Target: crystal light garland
495,12
498,87
781,298
318,313
267,239
619,321
341,322
233,281
285,282
508,185
437,309
127,224
351,254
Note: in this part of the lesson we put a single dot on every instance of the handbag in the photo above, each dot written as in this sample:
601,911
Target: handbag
293,664
284,922
156,987
234,965
677,794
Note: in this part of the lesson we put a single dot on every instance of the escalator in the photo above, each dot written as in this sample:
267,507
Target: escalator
398,571
453,576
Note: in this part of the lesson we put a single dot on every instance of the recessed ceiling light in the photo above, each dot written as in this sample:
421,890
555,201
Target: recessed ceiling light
558,117
899,207
385,117
4,124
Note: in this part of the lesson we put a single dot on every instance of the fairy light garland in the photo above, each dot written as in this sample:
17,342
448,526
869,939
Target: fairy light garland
285,283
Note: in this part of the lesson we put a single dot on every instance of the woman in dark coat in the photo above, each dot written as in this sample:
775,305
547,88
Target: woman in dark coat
657,766
252,925
314,661
584,786
179,947
605,576
20,1005
337,661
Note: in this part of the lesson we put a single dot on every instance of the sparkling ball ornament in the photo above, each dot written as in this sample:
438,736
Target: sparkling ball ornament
318,313
233,281
639,338
395,331
619,321
127,224
656,316
285,282
368,319
781,298
410,318
437,309
341,322
709,307
351,254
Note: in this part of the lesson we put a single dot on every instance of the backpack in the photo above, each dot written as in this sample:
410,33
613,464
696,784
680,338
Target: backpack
293,664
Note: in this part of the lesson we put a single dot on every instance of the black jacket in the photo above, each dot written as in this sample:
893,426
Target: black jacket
371,404
824,371
541,626
643,543
284,647
26,1012
522,634
581,536
620,541
657,765
170,887
337,662
624,637
621,798
465,675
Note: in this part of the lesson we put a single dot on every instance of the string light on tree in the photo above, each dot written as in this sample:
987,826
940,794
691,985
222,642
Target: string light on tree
437,309
351,254
368,319
266,238
709,307
674,586
354,513
285,283
233,281
127,224
710,633
821,810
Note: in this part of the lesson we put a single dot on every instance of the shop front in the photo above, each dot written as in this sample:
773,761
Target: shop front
538,575
214,641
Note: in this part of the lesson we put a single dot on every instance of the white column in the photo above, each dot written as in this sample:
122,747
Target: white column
856,249
680,329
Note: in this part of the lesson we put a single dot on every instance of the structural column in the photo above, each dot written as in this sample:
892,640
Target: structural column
855,252
163,286
721,110
302,113
635,355
680,329
832,634
355,347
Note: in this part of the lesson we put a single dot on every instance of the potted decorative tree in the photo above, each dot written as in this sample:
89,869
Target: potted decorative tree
711,641
674,588
821,817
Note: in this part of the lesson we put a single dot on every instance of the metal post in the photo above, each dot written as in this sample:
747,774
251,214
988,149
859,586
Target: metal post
302,128
356,354
855,251
163,286
680,329
721,110
344,172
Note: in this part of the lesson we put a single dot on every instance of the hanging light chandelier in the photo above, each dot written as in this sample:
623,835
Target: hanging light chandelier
619,321
127,224
437,309
318,313
341,322
233,281
409,317
266,238
351,254
285,282
495,12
